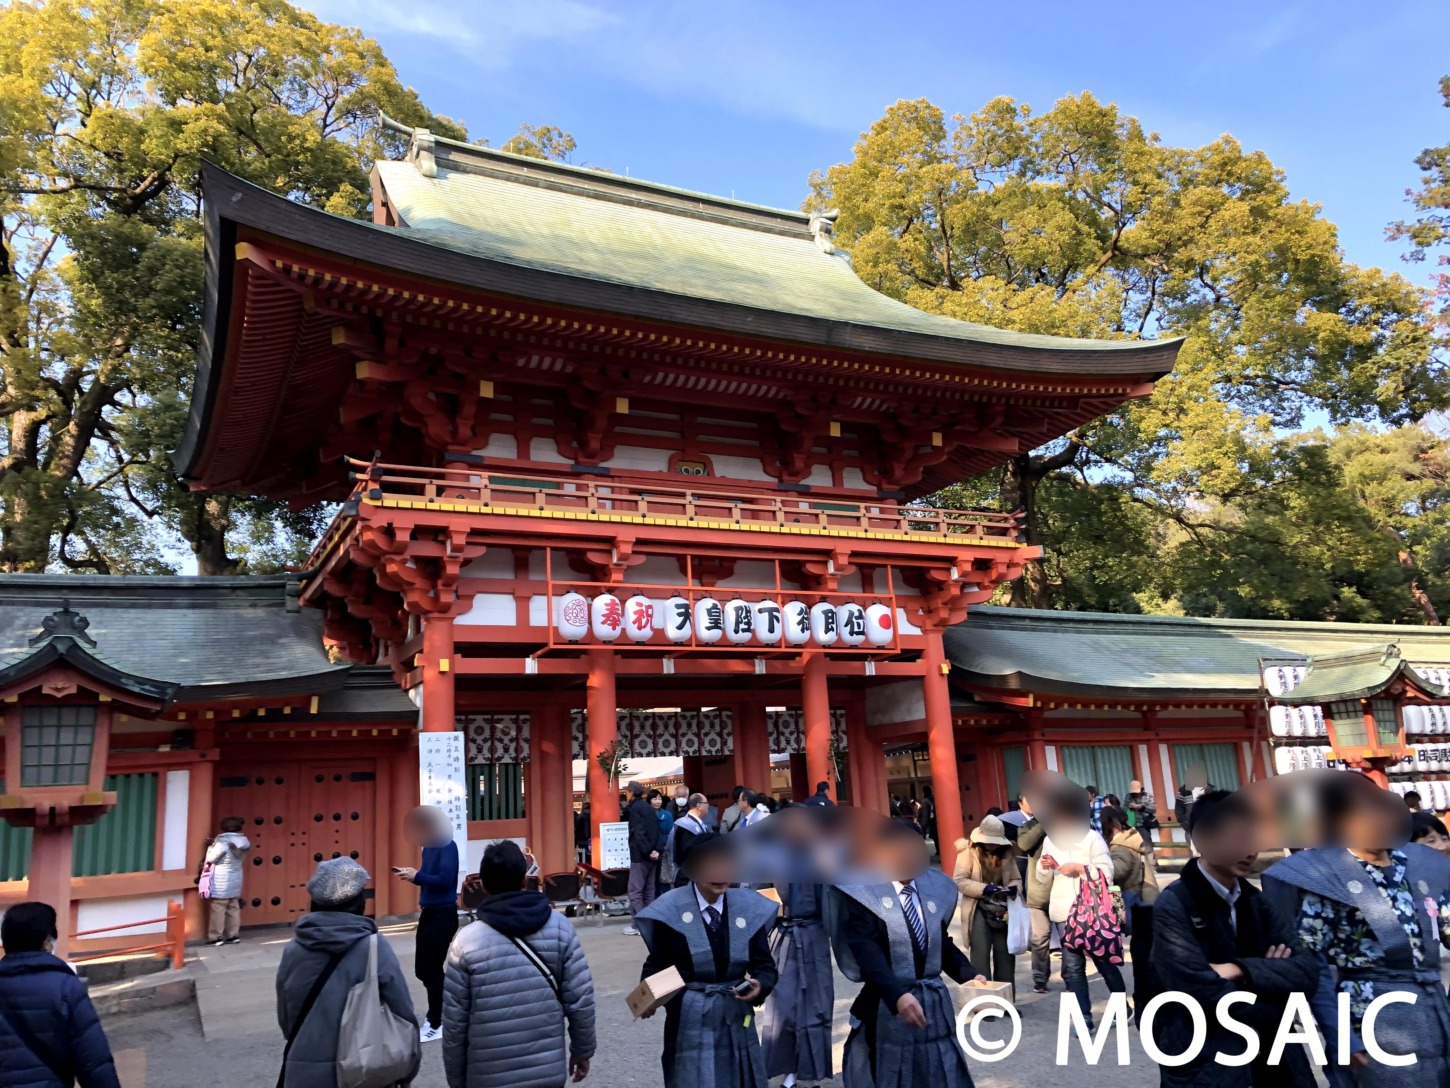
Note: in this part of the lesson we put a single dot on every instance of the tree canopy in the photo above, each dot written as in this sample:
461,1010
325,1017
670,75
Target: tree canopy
107,109
1077,221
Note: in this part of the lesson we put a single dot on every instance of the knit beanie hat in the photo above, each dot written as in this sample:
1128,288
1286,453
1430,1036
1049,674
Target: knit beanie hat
336,882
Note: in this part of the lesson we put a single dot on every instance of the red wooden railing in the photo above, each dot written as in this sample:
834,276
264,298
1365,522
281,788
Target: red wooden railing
173,946
707,507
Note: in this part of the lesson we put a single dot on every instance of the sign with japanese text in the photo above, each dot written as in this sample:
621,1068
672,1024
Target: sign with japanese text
614,846
443,784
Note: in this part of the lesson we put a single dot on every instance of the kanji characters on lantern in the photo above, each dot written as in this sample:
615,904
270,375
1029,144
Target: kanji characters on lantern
676,619
851,619
639,618
709,620
797,623
825,628
768,622
606,617
739,621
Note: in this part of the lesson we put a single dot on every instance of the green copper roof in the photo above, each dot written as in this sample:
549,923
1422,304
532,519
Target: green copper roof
203,637
597,226
1091,653
1355,674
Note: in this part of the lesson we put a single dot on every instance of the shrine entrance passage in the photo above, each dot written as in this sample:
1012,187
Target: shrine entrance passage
297,814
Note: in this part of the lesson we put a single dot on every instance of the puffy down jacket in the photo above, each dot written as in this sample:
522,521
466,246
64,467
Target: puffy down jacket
503,1027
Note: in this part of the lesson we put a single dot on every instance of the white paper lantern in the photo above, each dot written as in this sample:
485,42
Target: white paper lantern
673,617
797,623
739,621
606,617
880,625
1284,760
1279,721
709,620
1412,716
769,622
639,618
825,628
851,618
571,616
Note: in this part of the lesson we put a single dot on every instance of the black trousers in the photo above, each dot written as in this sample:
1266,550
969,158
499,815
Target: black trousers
436,927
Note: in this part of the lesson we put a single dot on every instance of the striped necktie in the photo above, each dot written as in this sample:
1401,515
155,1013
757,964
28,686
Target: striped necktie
913,915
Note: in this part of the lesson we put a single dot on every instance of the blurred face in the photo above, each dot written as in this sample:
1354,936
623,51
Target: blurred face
1135,786
1378,821
1231,849
714,874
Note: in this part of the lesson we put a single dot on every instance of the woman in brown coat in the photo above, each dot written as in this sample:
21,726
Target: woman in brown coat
987,876
1133,870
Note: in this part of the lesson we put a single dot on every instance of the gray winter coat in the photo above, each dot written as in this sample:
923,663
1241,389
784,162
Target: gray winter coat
503,1026
319,936
228,856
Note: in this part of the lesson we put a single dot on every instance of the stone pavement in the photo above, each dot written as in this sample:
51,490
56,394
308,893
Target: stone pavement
229,1038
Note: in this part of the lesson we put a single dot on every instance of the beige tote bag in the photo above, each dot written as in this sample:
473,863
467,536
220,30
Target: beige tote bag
375,1046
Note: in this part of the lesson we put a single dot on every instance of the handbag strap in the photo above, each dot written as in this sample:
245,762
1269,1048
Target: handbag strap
32,1043
311,999
539,964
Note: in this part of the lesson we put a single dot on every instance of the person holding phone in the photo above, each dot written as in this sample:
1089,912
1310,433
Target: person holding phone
987,877
437,876
718,938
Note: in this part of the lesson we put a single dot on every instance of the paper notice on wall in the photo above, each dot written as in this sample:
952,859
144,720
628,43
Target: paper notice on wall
614,846
443,783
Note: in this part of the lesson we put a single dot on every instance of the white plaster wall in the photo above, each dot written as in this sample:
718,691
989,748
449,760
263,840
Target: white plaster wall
177,808
851,477
539,610
501,444
738,468
543,449
903,701
752,575
494,563
1050,751
102,913
490,610
820,476
903,625
657,570
642,458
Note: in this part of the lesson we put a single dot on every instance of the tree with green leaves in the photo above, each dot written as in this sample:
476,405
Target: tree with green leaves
1079,222
1432,200
107,109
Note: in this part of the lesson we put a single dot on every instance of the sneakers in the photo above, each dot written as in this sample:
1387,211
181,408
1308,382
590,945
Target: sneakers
1039,989
630,931
231,940
429,1034
217,943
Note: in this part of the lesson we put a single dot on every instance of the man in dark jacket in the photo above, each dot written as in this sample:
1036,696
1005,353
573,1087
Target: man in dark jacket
645,841
1214,933
822,796
49,1033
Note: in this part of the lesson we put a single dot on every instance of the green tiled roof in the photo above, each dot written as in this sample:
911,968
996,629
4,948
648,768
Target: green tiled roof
1091,653
596,226
1355,674
209,637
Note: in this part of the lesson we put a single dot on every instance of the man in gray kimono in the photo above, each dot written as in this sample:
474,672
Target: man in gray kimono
795,1022
718,938
1375,908
892,937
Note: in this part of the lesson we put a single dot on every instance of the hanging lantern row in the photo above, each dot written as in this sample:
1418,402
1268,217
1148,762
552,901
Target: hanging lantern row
736,622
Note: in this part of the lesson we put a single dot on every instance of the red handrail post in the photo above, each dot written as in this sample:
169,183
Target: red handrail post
176,931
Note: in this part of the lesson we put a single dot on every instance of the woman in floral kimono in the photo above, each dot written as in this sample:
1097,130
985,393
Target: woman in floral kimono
1376,910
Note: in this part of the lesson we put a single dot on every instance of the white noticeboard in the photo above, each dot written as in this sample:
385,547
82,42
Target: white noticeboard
443,783
614,846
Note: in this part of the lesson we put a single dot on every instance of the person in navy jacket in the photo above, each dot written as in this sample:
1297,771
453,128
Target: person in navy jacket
437,876
49,1033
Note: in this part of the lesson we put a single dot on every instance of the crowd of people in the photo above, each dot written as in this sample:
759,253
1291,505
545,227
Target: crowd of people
1354,905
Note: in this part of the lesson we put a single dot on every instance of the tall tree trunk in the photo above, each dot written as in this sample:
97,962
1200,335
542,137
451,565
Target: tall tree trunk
1417,591
208,536
1020,479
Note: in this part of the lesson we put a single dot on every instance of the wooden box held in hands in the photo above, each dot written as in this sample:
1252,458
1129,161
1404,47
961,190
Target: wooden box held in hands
654,991
1004,990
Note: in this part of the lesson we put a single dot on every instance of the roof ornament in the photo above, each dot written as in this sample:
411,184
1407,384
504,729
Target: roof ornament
65,623
823,227
420,146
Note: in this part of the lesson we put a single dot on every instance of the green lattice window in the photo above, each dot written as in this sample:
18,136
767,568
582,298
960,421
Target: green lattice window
55,745
1348,718
1109,768
14,849
1386,721
1219,760
1014,766
496,791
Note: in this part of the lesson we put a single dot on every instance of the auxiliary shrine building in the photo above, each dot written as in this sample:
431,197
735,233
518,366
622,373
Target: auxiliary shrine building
621,471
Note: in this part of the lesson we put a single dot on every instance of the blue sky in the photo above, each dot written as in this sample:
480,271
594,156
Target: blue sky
747,97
